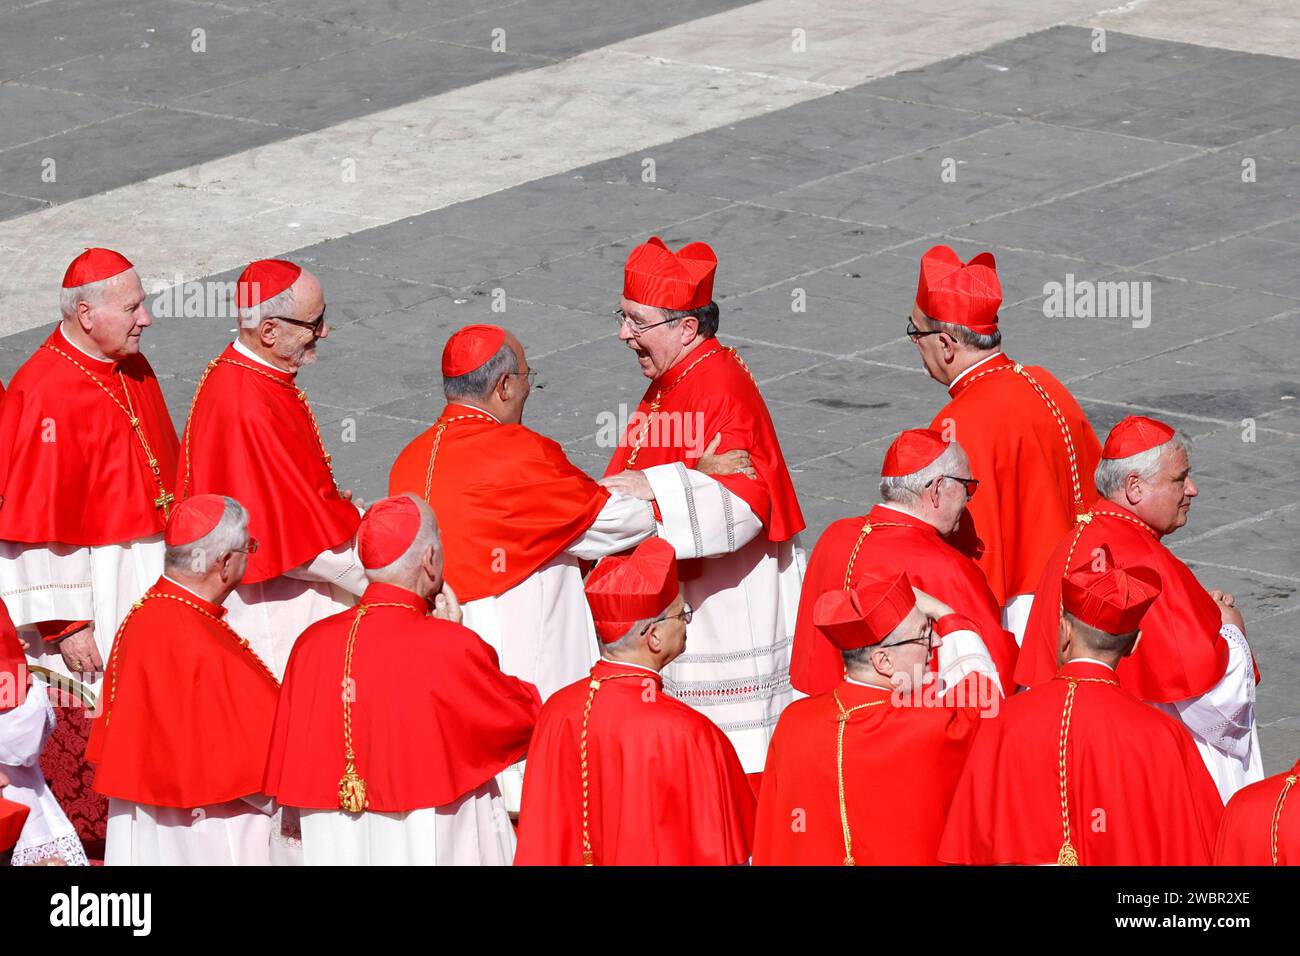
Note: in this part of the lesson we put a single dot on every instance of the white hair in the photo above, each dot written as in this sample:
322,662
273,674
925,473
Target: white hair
906,489
404,570
197,557
274,307
478,384
92,293
1111,473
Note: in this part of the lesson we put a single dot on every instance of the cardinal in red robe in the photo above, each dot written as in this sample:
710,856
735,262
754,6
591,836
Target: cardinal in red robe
620,773
1078,770
1028,441
252,435
399,768
83,423
745,591
180,743
1193,661
862,774
926,486
1261,824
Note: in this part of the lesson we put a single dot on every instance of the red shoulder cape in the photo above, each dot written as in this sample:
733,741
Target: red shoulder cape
66,449
433,716
1246,833
1139,793
251,438
1016,450
934,566
666,786
1181,653
187,708
507,499
798,809
717,395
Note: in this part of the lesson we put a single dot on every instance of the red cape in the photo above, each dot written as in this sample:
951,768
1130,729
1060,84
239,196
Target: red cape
507,499
250,437
71,468
934,566
901,764
1139,793
666,786
722,393
433,718
1026,498
1246,833
187,709
1181,653
12,817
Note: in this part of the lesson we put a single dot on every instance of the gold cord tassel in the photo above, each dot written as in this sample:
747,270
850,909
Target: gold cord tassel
352,790
1067,856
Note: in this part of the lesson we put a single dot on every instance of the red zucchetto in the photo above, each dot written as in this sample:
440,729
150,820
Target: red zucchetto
960,293
683,280
911,451
387,530
624,589
263,280
469,348
95,265
1134,435
194,518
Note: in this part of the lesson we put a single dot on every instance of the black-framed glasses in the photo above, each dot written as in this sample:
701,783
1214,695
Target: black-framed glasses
927,638
621,319
251,549
315,324
916,334
971,485
531,374
687,612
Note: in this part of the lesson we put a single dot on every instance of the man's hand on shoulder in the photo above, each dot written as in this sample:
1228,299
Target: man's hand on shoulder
732,462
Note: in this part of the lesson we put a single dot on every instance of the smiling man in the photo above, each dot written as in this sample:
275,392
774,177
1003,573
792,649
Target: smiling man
87,464
1193,660
743,526
252,435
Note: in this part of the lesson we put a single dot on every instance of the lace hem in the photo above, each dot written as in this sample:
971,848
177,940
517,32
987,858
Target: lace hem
67,848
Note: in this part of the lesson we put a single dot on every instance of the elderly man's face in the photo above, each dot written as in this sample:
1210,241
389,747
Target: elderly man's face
119,318
929,348
296,344
952,497
909,660
657,349
1166,498
672,630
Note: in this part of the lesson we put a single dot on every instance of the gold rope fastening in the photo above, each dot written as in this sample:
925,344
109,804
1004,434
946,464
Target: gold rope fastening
659,395
588,857
867,528
839,770
1277,816
1068,856
437,440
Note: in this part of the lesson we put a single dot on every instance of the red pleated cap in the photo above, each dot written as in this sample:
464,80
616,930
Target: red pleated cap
911,451
193,518
469,348
388,528
966,294
626,588
865,614
264,279
95,265
1110,598
1134,435
654,275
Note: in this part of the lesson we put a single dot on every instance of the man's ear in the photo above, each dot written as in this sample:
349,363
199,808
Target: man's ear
1134,646
1065,634
267,332
653,642
83,316
883,662
1134,489
429,564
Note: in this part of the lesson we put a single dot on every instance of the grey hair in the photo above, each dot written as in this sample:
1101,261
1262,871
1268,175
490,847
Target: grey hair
631,640
197,557
906,489
405,569
478,383
1095,639
1111,473
972,340
91,293
277,305
707,316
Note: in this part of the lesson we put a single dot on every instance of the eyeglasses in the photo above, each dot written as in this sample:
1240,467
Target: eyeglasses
686,614
621,319
251,549
531,375
916,334
927,638
315,324
971,485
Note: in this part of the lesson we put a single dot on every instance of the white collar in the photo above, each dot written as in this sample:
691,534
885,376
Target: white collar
245,351
901,511
860,683
610,660
974,367
94,358
484,411
184,588
1088,660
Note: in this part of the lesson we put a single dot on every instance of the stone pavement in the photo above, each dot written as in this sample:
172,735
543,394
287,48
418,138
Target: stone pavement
1171,168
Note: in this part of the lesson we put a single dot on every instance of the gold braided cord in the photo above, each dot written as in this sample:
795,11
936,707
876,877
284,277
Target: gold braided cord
659,395
588,857
1079,523
113,658
867,528
352,788
189,422
1075,487
842,720
437,440
1277,816
1068,856
165,498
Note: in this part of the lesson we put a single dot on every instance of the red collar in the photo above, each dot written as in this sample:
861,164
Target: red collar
164,586
1119,513
377,593
454,409
1000,360
234,355
881,513
605,668
685,364
1088,669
